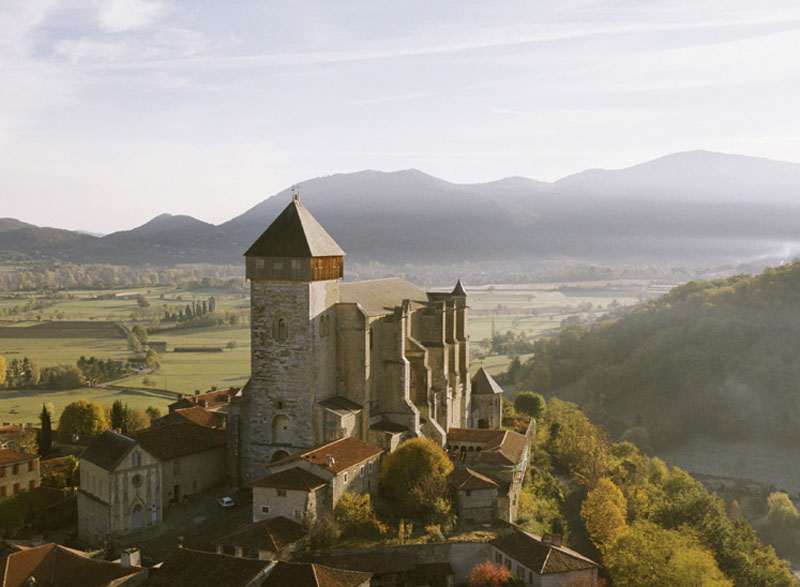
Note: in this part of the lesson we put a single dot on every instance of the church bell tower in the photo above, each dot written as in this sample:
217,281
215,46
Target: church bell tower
294,270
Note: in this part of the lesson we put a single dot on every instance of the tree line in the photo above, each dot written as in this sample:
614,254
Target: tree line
26,373
717,357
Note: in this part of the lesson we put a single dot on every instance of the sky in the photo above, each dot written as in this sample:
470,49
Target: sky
114,111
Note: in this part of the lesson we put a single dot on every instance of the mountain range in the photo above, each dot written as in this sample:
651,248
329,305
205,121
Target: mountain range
695,208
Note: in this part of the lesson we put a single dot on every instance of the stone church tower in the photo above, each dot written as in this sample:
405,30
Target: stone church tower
294,270
379,360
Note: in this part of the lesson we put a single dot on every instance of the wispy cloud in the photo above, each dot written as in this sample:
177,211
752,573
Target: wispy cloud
126,15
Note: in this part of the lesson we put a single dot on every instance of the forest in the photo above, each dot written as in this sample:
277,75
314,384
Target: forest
717,357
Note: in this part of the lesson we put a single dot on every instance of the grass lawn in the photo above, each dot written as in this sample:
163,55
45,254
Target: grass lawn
187,372
20,406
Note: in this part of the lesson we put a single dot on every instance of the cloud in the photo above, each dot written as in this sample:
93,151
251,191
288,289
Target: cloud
125,15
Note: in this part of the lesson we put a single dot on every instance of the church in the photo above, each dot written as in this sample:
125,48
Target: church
378,360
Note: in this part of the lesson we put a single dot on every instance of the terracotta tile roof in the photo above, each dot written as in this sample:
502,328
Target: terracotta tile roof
8,456
295,233
55,566
540,557
194,568
377,563
108,449
380,296
6,549
271,534
179,439
294,478
469,479
196,414
214,399
345,453
313,575
501,448
484,384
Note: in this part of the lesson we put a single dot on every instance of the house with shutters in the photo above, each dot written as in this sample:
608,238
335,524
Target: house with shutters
18,472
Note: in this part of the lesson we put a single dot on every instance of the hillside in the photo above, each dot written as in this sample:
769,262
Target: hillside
696,208
712,358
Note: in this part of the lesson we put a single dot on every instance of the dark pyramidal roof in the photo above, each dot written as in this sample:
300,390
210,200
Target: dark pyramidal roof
483,383
459,290
108,450
295,233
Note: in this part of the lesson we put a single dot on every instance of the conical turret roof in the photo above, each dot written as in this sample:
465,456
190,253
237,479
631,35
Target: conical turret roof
459,290
295,233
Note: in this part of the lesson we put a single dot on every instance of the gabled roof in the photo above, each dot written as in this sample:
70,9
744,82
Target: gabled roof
179,439
53,565
108,450
540,557
295,233
8,456
345,453
193,568
380,296
499,447
195,414
271,534
295,478
376,562
483,383
469,479
313,575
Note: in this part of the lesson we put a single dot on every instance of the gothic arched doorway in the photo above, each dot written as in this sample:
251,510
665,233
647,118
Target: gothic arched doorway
137,522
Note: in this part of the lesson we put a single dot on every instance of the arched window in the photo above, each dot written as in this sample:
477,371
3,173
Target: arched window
137,459
280,330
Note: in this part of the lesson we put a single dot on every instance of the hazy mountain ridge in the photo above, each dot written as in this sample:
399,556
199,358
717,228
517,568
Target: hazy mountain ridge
686,207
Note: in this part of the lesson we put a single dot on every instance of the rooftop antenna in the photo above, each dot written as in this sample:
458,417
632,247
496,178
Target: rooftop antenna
296,192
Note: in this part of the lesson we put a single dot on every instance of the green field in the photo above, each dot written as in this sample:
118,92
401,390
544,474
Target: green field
537,309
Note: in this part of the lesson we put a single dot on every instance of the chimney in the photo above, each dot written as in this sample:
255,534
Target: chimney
131,557
180,396
555,539
546,539
329,461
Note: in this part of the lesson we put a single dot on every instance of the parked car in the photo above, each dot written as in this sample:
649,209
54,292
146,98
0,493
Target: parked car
226,502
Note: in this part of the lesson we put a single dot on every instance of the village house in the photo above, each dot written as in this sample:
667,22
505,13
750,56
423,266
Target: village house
475,496
192,457
271,539
194,568
543,562
18,472
127,481
53,565
381,361
500,455
308,484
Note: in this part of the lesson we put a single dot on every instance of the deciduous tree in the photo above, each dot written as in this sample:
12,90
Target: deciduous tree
84,418
604,511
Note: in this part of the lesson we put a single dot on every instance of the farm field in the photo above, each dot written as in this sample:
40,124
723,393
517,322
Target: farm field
83,322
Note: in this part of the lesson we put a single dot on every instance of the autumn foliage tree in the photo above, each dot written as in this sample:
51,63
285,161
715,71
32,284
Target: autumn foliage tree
488,574
604,511
414,477
84,418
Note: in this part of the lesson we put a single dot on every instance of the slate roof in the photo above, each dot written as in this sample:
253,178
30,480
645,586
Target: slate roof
459,290
313,575
8,456
346,452
193,568
179,439
55,566
540,557
380,296
469,479
295,233
108,450
271,534
484,384
294,478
